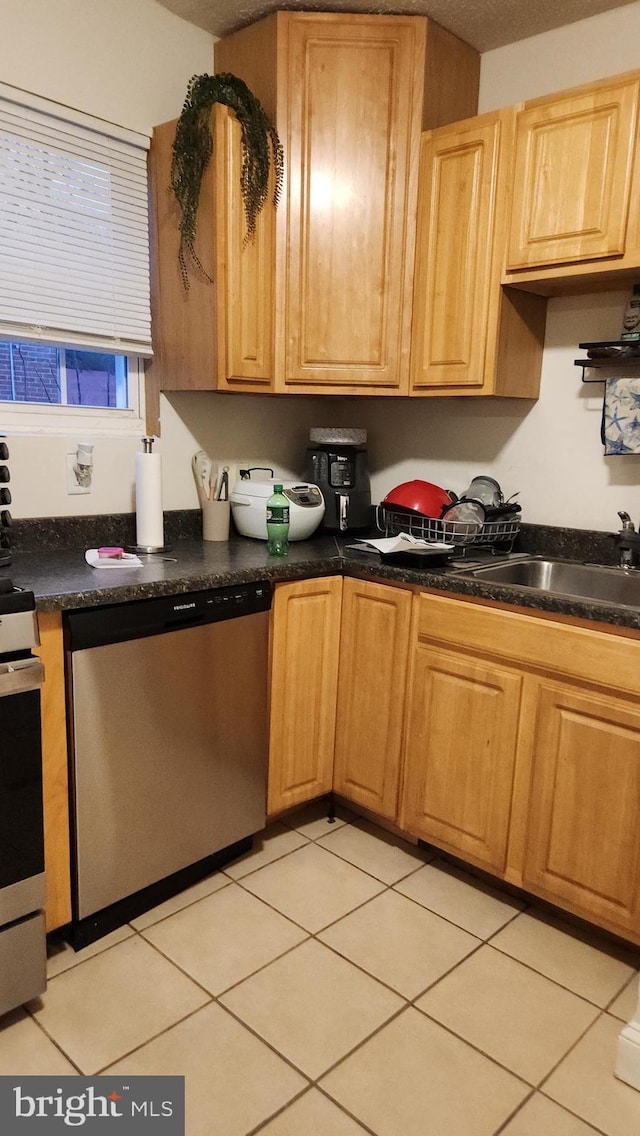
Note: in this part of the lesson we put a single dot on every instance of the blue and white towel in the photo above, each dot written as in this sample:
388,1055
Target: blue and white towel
621,416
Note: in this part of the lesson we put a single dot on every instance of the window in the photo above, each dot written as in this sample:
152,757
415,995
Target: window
59,376
74,267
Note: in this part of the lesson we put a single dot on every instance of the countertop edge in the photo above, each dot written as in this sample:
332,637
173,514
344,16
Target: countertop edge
63,588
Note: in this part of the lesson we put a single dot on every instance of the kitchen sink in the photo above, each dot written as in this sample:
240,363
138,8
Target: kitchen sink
566,578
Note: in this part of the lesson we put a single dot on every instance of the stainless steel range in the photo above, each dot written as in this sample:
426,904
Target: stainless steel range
22,881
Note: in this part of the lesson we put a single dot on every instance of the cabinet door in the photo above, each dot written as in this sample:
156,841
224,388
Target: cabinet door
572,176
354,115
245,271
54,772
304,680
374,643
218,334
455,242
461,733
583,844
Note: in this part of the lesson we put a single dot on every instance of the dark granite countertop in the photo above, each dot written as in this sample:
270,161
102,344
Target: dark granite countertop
61,578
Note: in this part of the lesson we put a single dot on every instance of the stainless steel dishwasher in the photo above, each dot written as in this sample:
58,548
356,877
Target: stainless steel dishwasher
168,746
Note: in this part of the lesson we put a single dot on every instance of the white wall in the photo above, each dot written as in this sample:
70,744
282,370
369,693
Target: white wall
128,61
79,51
578,53
548,451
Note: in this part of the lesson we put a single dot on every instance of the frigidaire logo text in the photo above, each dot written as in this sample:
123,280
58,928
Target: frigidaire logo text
183,607
133,1106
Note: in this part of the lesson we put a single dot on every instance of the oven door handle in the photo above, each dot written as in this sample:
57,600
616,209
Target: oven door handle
20,676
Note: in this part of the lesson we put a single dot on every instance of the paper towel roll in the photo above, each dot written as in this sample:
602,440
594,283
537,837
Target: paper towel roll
149,519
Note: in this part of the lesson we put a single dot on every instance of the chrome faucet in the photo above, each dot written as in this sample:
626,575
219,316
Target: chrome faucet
627,541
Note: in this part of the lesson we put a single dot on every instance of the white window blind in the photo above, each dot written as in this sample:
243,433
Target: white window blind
74,242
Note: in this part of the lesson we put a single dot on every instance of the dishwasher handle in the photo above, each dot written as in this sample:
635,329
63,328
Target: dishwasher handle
188,619
21,675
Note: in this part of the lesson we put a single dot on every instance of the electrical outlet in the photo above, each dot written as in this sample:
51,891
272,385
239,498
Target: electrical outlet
72,480
233,469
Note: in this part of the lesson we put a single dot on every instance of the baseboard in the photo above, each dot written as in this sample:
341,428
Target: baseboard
628,1062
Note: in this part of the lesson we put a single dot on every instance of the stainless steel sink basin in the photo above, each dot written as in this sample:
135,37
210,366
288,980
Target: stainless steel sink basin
565,578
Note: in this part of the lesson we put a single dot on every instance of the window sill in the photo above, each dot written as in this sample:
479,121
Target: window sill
63,420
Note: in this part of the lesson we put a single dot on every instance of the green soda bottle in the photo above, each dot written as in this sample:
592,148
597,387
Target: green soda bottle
277,523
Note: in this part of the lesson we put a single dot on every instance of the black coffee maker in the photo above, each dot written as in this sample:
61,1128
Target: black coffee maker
337,464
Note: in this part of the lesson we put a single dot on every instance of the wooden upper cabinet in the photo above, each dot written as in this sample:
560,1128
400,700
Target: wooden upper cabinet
349,94
245,272
305,646
583,844
354,115
374,644
469,335
456,222
572,175
213,335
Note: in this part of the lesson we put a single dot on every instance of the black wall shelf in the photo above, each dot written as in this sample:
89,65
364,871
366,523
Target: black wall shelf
608,361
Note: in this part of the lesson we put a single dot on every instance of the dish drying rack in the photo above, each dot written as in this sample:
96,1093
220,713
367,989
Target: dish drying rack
496,536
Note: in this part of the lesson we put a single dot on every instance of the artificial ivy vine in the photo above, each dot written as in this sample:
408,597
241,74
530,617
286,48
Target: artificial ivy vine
193,146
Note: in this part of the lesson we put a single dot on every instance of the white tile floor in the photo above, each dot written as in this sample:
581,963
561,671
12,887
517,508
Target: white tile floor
338,981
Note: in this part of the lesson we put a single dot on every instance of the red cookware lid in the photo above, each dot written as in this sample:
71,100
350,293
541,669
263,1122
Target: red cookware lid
419,497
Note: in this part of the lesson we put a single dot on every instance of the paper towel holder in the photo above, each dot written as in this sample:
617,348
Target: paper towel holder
148,549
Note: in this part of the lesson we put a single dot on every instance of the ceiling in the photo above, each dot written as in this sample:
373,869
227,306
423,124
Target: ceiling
484,24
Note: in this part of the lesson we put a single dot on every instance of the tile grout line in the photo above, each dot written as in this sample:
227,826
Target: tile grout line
383,888
263,1124
103,951
53,1041
570,1050
234,985
514,1113
476,1048
618,995
130,1052
541,974
408,1003
594,1127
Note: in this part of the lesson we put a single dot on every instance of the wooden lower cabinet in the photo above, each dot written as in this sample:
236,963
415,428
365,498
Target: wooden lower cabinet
374,642
521,757
54,761
583,840
461,732
305,645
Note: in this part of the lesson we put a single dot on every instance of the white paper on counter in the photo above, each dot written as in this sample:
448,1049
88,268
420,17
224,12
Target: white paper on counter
399,543
127,560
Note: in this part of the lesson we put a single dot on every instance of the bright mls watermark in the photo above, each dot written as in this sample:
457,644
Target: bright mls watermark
131,1106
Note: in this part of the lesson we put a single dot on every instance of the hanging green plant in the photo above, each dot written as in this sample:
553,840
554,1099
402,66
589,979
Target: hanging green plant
193,146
